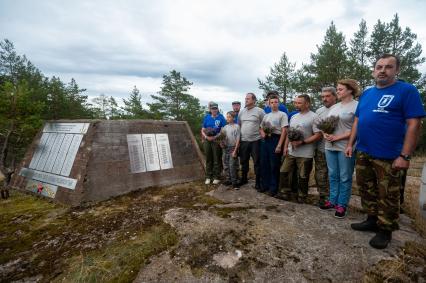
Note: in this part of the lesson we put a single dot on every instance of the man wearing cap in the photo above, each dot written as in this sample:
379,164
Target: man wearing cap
249,119
236,106
281,106
212,124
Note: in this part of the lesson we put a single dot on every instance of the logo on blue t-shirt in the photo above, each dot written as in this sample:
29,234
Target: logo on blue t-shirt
217,123
383,103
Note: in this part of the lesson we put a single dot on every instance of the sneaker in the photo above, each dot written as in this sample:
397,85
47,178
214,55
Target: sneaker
326,205
340,212
216,181
207,182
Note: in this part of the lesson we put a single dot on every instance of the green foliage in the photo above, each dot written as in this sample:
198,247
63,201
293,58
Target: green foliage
27,98
330,63
359,64
105,107
174,103
133,107
281,78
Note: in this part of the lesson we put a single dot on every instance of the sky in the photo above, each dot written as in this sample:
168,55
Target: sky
221,46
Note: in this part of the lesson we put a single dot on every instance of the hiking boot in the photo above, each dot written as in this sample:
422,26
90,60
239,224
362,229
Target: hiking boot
326,205
368,225
340,212
207,182
236,186
381,240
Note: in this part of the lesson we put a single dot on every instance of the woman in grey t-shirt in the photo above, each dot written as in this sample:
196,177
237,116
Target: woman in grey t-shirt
340,167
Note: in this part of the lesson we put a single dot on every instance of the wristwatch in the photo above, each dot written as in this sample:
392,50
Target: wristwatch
406,157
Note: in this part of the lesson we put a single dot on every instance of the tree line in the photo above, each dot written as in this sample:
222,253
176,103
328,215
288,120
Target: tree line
28,97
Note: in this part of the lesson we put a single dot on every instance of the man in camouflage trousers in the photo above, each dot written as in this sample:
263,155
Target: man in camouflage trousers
386,127
329,98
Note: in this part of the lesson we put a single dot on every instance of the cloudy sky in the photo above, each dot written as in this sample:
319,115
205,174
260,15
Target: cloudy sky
221,46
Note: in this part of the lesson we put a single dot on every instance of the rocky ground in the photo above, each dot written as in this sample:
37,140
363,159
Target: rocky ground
253,237
197,233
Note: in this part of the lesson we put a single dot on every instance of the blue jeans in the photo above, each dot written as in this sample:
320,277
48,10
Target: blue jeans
340,170
270,163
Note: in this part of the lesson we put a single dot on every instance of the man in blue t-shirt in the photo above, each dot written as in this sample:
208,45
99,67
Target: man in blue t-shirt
386,127
281,107
212,124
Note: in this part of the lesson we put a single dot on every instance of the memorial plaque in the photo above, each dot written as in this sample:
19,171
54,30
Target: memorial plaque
38,151
48,178
151,153
66,128
47,191
54,153
72,152
62,154
46,150
164,152
136,153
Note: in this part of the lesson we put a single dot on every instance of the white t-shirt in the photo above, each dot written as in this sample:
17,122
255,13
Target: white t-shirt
250,120
346,113
277,120
322,114
305,123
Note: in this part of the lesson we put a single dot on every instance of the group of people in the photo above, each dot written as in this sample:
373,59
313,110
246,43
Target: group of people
377,130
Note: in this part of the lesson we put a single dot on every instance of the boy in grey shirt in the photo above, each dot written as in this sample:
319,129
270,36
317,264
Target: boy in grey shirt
231,144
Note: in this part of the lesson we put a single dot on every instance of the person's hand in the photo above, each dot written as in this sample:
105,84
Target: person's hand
285,151
209,138
234,154
278,149
262,134
295,144
400,163
348,151
330,138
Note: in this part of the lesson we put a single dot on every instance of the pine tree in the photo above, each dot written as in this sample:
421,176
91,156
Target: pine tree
330,63
133,108
360,67
281,78
173,101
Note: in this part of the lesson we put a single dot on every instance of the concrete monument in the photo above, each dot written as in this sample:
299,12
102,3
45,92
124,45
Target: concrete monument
84,161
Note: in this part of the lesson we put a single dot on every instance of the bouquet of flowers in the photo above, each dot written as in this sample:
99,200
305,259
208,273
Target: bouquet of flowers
328,125
220,139
210,132
268,129
294,134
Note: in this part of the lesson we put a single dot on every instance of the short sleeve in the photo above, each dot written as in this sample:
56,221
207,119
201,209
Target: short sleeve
315,124
412,104
284,120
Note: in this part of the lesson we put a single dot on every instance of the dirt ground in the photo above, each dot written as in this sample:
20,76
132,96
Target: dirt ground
197,233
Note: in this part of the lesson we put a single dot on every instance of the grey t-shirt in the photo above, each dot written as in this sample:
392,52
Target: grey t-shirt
277,120
346,113
305,123
232,132
322,114
250,120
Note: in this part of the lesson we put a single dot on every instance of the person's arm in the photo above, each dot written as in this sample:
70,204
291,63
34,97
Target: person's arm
282,139
285,151
352,136
333,138
315,137
410,142
237,144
